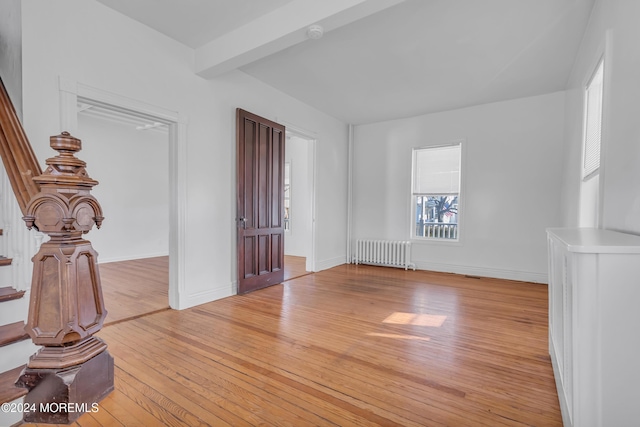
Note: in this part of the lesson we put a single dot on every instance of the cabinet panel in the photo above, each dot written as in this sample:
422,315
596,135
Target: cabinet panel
594,290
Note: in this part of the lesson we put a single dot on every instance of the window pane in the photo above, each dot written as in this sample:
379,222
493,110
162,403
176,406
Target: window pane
287,196
436,216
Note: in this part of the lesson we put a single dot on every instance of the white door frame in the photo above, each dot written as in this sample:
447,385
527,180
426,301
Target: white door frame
71,91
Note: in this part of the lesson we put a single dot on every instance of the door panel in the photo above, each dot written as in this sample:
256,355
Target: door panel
277,183
260,201
277,253
250,268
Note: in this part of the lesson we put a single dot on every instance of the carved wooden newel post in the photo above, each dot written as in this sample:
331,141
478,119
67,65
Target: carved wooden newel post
73,370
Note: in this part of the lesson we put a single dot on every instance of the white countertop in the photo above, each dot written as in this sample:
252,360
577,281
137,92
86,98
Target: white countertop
595,240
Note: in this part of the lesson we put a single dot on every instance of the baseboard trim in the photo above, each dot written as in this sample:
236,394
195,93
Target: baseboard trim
130,258
330,263
198,298
524,276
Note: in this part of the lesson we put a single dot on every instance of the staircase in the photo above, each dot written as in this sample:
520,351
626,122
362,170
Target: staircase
17,245
15,345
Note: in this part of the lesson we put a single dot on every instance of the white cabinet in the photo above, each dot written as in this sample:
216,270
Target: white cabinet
594,325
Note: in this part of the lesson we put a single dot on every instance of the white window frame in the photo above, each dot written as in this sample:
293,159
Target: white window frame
412,196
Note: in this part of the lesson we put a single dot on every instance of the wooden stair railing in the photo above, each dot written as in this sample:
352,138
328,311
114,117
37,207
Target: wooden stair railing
17,155
73,369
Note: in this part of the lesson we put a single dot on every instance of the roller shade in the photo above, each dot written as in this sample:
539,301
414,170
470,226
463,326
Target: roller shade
437,170
593,123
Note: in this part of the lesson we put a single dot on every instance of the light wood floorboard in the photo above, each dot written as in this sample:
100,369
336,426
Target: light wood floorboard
349,346
134,288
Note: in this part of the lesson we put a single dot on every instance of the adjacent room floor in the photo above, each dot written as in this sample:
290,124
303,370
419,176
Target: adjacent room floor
294,266
138,287
134,288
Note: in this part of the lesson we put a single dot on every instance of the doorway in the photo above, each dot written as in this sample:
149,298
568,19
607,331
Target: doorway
72,92
299,190
133,258
266,205
129,156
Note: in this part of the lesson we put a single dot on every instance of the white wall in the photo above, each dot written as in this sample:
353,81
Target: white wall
511,175
11,52
133,190
298,238
83,40
620,173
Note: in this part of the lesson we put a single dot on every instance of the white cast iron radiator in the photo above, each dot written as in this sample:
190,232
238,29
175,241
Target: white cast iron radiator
389,253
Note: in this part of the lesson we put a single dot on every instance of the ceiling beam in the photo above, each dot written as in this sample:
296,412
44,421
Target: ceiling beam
278,30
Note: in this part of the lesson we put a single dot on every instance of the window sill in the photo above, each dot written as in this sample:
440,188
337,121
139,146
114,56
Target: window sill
431,241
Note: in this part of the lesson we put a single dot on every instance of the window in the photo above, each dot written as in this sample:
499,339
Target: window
436,191
589,213
593,123
287,196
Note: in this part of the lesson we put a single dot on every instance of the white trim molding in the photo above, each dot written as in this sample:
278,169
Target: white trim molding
218,292
141,256
496,273
330,263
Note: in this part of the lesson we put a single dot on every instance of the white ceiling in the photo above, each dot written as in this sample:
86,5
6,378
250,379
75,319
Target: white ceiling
416,57
194,22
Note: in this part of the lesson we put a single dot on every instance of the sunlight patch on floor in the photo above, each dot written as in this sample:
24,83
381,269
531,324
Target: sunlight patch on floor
398,336
399,318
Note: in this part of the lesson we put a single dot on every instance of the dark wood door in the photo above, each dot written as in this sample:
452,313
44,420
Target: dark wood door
260,201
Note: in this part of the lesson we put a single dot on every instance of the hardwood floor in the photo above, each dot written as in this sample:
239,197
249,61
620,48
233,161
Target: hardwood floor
349,346
139,287
134,288
294,266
